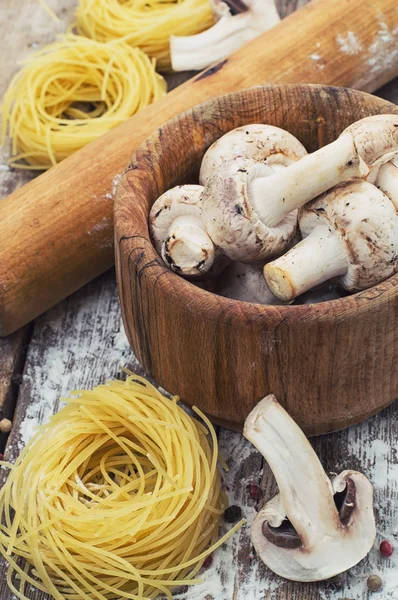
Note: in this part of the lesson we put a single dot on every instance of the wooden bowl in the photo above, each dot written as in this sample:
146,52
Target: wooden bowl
330,364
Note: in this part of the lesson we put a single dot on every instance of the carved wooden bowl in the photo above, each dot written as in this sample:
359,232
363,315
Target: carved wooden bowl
330,364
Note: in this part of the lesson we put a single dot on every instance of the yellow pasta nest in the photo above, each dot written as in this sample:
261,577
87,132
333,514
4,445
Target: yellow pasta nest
147,24
118,496
72,92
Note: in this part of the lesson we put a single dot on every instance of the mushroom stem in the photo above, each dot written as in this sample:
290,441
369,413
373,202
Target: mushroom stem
316,259
197,52
188,249
305,491
276,196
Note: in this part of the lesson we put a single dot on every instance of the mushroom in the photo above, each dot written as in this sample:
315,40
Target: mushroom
228,167
350,233
196,52
178,232
261,143
387,180
367,143
246,283
314,528
232,222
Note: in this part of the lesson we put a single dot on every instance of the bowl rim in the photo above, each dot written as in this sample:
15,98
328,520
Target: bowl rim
209,305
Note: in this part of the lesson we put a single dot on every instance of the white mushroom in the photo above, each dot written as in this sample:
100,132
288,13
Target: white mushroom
351,233
232,222
313,529
228,168
196,52
262,143
365,144
178,232
387,180
246,283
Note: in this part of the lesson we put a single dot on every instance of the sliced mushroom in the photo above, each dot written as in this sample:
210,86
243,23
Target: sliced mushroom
196,52
365,144
313,529
245,283
231,221
351,233
178,232
261,143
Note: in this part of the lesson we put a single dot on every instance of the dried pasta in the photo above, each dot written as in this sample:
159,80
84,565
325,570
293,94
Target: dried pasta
72,92
147,24
118,496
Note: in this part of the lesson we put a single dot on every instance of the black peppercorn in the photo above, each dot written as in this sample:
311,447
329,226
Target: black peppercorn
232,514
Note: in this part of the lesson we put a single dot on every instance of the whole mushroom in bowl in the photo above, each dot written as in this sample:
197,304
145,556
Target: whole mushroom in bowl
350,233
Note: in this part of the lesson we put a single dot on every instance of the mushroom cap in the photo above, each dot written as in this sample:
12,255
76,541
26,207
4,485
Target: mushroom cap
368,224
178,232
231,220
387,180
329,554
246,283
258,142
375,138
182,200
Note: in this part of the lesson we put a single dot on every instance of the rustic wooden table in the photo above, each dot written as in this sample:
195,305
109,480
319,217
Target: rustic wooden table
81,342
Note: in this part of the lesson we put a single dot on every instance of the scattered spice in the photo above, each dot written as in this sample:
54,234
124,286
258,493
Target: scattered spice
208,562
254,491
232,514
386,548
374,583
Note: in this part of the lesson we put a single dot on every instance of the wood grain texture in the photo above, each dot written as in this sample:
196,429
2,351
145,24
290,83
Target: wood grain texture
315,44
225,355
81,343
24,27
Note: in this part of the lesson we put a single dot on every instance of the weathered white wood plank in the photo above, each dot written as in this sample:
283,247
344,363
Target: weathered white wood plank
81,343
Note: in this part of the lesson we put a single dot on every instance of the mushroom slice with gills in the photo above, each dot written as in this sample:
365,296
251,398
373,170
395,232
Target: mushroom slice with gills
261,143
232,222
368,143
314,528
349,233
178,232
251,18
246,283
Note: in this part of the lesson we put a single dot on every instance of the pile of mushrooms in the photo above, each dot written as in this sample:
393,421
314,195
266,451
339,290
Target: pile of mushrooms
271,223
314,528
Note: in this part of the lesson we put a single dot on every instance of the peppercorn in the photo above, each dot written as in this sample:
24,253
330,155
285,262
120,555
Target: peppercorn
254,491
385,548
374,583
232,514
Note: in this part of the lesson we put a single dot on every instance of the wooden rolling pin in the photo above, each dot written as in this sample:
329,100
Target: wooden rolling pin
56,232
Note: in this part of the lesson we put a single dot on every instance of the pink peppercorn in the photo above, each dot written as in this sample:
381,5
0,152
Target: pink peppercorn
208,562
385,548
254,491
